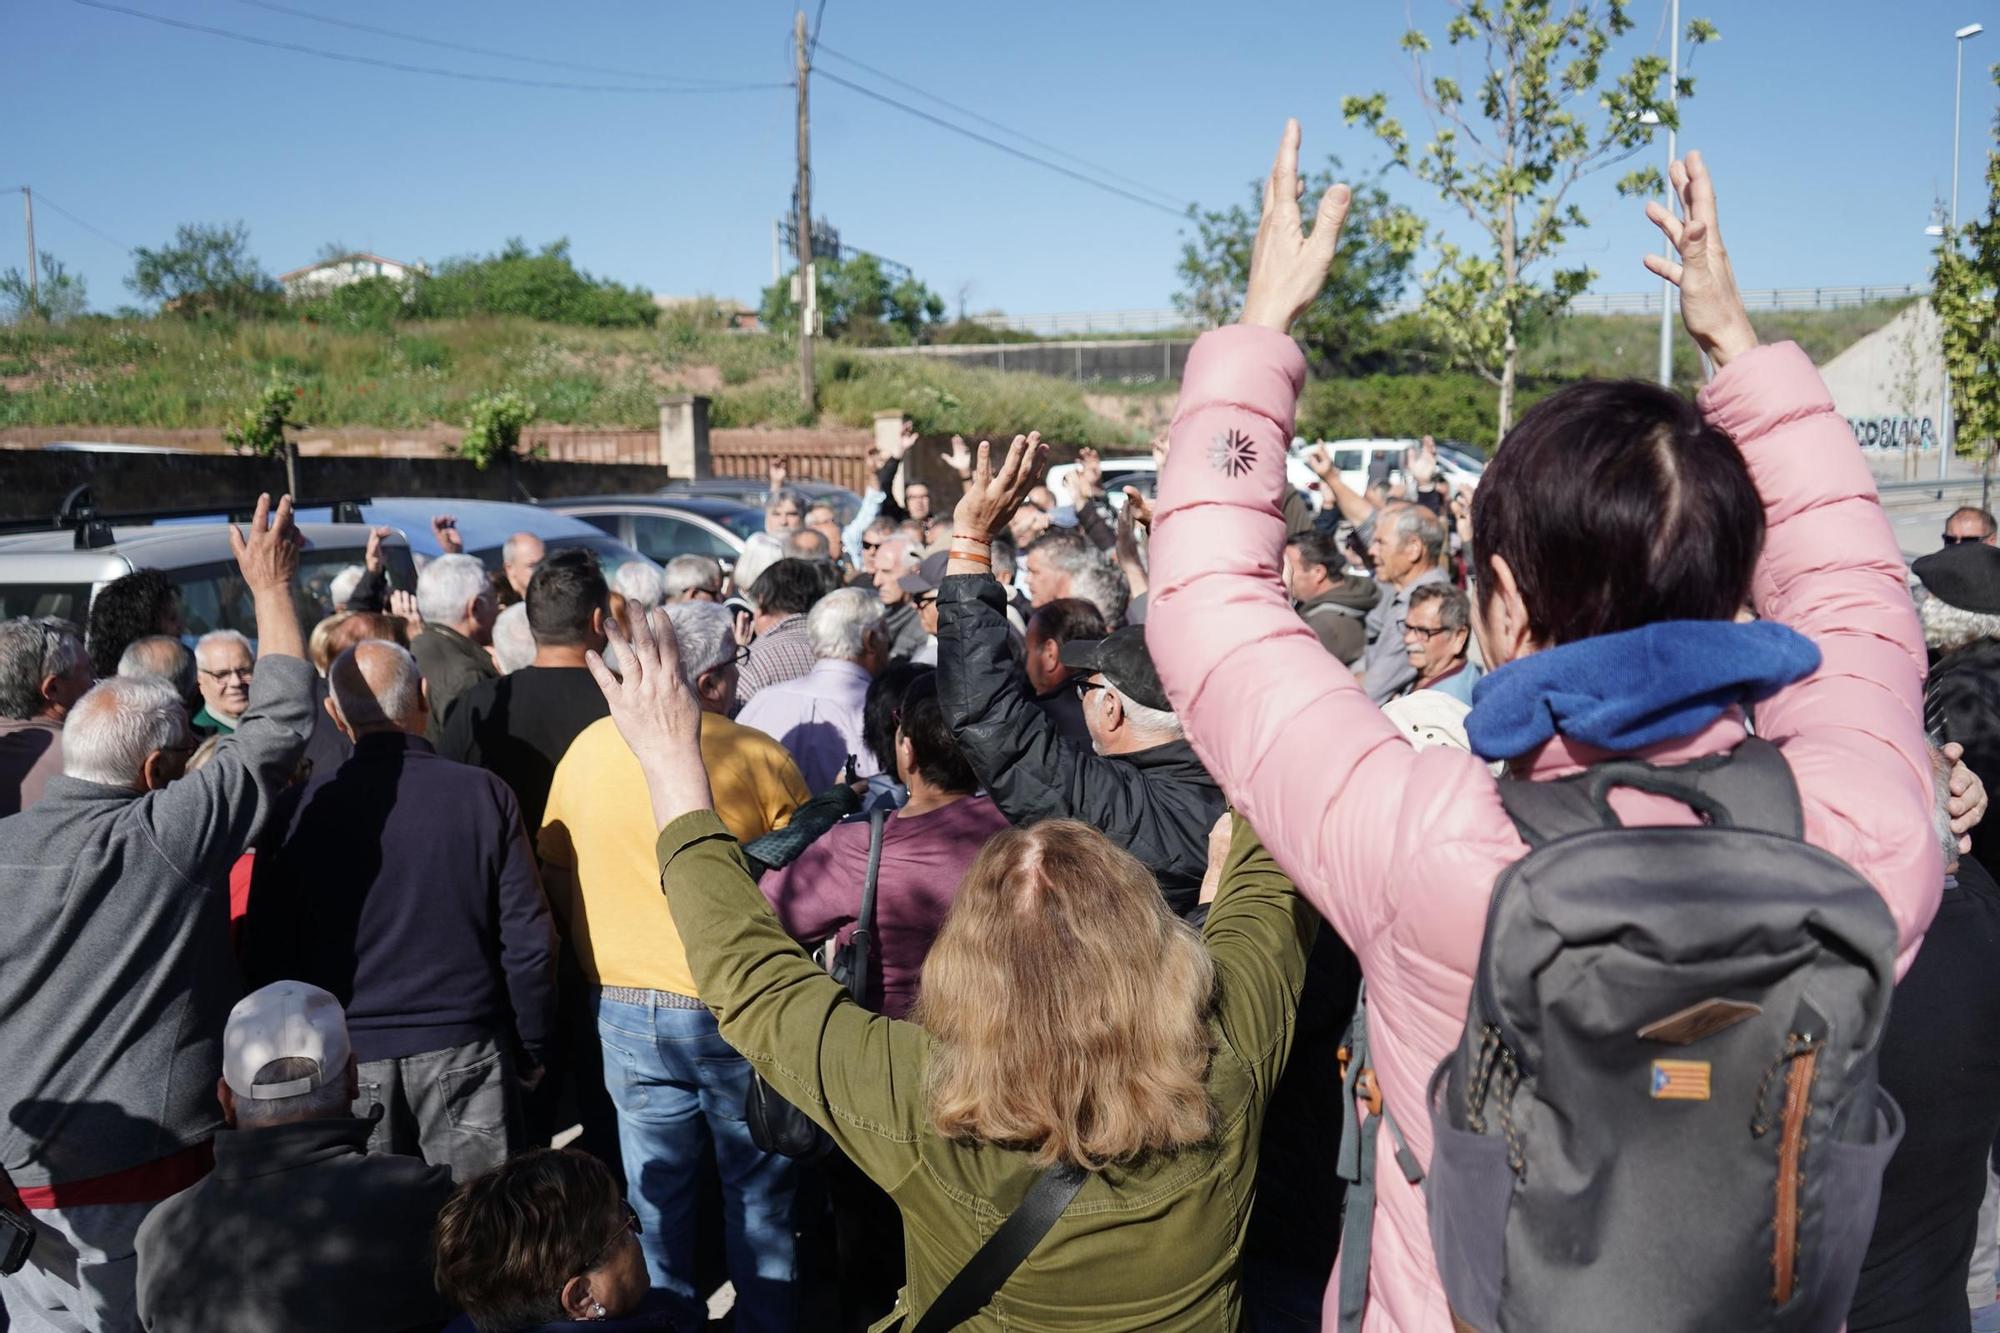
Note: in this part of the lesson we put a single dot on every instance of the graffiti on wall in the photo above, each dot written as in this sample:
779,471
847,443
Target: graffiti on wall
1890,432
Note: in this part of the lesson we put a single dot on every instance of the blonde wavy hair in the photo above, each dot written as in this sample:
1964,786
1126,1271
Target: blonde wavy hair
1068,1009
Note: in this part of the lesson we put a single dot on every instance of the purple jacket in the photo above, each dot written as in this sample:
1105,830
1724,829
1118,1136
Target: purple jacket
1398,849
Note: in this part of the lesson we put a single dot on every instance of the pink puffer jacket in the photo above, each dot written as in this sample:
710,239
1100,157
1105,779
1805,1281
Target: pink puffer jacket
1399,849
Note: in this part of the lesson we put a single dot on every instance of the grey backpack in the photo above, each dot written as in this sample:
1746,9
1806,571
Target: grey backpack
1663,1113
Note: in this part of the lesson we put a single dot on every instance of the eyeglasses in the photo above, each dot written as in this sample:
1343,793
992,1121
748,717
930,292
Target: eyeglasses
922,599
230,673
867,545
741,655
1950,540
1084,685
1428,631
631,1225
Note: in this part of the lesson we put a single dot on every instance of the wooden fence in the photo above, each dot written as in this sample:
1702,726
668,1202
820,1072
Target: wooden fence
837,456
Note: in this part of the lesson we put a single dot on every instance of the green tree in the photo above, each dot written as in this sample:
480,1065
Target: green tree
493,431
859,304
1340,329
260,428
206,269
59,298
1965,289
542,284
1547,112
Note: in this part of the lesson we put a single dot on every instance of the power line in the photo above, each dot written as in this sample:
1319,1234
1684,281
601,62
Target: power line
408,69
1009,149
819,21
46,202
476,50
1005,129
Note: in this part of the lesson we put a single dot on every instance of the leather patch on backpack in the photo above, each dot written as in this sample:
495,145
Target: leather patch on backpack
1692,1024
1680,1080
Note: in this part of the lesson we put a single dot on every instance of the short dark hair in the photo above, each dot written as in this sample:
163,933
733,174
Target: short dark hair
883,705
1068,618
1454,607
1617,504
128,608
1987,527
565,588
932,745
789,587
508,1241
1317,546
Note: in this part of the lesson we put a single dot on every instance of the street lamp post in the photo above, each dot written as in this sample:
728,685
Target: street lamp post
1946,432
1673,98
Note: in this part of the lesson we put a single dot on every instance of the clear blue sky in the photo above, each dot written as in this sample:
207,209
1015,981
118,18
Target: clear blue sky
1828,125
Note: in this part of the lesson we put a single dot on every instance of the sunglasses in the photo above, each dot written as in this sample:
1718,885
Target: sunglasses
1084,686
923,599
867,545
1950,540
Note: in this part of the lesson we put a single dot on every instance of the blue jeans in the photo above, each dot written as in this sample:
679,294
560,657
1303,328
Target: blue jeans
678,1087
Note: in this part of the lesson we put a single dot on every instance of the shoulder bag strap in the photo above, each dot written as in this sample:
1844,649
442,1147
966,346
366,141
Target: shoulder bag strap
861,943
975,1285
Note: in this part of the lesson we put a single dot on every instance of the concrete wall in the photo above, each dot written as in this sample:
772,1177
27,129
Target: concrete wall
33,483
1888,385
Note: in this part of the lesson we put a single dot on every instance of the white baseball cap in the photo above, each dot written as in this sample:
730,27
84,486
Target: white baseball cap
284,1020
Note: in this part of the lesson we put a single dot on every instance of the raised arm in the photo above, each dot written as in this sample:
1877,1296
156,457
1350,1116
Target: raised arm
1831,570
1259,933
859,1075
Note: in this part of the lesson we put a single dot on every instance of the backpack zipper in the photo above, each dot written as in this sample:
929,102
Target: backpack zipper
1791,1147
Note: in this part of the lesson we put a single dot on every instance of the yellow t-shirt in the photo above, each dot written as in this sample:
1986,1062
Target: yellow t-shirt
597,840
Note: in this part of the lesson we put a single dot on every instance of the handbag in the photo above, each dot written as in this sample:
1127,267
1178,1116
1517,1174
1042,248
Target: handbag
973,1287
777,1126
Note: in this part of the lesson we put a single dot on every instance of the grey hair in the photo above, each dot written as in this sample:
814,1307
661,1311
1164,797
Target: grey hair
804,537
838,626
1068,550
359,703
329,1101
685,573
705,633
640,583
1104,588
447,584
160,657
218,636
31,650
1152,721
783,494
342,586
1947,627
912,548
1005,558
1413,520
510,549
1454,607
513,642
1941,807
112,729
760,552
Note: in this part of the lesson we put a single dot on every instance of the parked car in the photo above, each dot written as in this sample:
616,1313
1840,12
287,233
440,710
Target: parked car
1361,461
750,491
1142,474
45,573
667,524
485,525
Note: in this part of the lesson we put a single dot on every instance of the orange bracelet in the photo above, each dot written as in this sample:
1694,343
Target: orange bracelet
972,556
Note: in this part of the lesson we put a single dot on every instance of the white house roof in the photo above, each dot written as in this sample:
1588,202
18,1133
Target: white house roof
360,255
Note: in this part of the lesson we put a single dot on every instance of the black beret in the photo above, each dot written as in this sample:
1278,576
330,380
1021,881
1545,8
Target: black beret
1966,576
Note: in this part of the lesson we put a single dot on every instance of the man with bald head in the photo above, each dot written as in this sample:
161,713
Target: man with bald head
520,556
405,886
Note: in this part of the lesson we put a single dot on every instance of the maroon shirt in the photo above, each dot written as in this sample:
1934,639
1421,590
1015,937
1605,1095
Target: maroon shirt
30,754
923,859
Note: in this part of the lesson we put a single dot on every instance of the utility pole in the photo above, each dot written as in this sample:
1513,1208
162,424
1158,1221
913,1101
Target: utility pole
34,279
1673,102
808,284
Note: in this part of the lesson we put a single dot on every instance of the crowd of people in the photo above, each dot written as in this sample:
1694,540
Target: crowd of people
1031,916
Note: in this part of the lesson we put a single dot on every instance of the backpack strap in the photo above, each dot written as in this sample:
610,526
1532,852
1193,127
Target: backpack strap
861,943
975,1285
1751,787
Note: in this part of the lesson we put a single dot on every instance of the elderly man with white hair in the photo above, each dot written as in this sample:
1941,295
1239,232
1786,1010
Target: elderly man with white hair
405,886
458,607
44,670
115,971
641,584
225,664
818,716
692,578
679,1088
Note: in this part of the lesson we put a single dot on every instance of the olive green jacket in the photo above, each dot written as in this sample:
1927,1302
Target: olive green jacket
1150,1245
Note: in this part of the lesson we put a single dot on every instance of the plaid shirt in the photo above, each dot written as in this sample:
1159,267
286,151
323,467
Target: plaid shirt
780,655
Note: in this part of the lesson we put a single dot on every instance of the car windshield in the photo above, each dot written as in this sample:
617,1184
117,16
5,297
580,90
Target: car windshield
610,552
214,596
744,523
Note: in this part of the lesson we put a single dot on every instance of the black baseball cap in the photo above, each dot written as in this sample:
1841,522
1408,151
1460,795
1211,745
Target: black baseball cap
1121,658
930,574
1966,576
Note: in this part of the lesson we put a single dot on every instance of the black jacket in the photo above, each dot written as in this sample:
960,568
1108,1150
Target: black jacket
297,1227
1962,703
452,664
1158,804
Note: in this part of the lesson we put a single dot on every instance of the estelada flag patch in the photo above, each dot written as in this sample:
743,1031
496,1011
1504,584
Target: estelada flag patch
1680,1080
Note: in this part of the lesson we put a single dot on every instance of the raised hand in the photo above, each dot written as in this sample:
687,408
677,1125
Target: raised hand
1287,266
959,459
403,606
1319,460
1967,806
371,559
1162,442
906,440
269,555
445,528
1711,307
656,713
991,496
1138,509
1087,482
780,472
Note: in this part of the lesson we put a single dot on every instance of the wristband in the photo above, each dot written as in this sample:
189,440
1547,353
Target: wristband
972,556
976,541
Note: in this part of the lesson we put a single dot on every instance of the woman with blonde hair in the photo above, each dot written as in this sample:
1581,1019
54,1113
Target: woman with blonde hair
1068,1021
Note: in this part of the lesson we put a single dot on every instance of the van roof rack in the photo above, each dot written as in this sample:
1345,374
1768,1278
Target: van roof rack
92,527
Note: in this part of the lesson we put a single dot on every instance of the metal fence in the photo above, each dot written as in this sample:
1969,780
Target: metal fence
1127,361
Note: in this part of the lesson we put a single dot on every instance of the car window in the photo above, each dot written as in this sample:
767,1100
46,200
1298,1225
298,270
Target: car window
215,597
65,601
1347,460
747,523
606,523
661,537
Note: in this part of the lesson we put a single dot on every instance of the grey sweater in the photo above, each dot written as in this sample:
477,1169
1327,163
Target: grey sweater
115,970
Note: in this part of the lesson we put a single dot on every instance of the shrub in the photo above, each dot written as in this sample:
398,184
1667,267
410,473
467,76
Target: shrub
494,428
